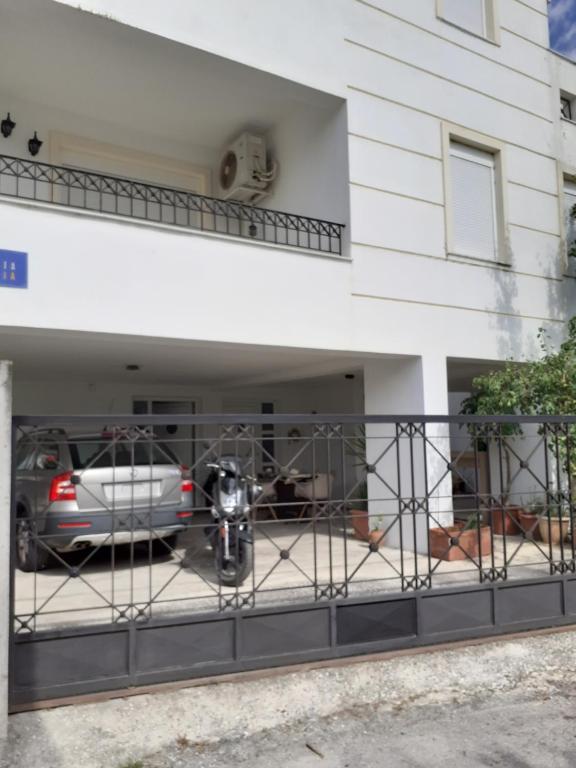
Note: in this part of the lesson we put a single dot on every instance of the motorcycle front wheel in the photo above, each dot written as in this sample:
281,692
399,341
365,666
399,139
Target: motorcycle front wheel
233,571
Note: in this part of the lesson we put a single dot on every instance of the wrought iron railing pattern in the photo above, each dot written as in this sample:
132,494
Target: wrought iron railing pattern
102,193
346,506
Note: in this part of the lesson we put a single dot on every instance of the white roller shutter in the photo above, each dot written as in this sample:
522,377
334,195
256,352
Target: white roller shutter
473,174
470,14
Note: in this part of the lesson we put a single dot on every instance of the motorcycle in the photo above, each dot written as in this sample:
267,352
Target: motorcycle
232,494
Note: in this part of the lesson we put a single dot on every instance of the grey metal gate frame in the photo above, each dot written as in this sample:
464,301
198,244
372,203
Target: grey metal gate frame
335,615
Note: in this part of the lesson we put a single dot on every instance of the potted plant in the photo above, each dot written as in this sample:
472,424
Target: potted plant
359,513
505,520
461,541
553,524
358,507
543,386
376,535
489,399
528,518
539,387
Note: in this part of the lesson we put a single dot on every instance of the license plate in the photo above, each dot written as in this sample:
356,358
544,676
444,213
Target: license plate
129,491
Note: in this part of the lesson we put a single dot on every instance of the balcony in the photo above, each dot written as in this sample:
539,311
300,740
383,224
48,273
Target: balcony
89,191
134,128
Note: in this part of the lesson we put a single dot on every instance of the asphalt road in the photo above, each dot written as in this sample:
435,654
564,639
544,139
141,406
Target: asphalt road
515,730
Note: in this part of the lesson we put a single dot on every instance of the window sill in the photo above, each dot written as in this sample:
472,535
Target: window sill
464,258
487,39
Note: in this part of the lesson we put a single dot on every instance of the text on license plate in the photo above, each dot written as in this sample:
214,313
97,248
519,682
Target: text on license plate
128,491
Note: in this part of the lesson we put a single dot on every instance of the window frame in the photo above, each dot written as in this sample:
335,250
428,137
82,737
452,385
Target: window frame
492,21
456,134
570,100
566,102
566,175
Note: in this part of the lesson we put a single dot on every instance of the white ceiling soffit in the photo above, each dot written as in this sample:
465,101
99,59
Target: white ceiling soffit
82,63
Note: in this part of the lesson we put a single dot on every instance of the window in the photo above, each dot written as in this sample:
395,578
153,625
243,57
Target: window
569,224
470,14
476,16
567,106
89,454
473,195
24,454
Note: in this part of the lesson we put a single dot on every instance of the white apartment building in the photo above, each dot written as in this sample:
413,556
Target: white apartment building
430,130
314,206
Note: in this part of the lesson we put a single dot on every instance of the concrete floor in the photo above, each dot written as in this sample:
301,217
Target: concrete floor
185,580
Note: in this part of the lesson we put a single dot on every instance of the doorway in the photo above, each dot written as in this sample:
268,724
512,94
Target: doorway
180,437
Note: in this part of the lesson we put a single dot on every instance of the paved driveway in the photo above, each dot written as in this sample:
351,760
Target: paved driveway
290,558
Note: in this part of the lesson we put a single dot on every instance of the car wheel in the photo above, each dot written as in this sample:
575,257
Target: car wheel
30,555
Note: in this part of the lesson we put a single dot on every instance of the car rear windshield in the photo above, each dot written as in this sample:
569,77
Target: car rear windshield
93,453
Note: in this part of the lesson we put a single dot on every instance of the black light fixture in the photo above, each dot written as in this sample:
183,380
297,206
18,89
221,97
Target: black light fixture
132,367
252,230
7,126
34,145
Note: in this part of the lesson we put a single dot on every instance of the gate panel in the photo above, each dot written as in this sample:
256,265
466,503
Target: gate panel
184,646
457,612
124,602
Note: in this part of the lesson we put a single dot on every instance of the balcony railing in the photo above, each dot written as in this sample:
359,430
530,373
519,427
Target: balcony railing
86,190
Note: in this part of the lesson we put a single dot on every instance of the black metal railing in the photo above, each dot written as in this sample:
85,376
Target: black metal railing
346,506
86,190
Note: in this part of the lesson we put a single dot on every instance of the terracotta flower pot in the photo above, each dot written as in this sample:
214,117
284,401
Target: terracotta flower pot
503,520
528,523
360,523
454,543
554,530
376,538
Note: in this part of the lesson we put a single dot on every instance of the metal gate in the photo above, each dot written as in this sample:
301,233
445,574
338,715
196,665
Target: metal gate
369,533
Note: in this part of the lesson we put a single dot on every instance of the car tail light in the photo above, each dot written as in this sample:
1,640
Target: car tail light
187,484
184,514
62,489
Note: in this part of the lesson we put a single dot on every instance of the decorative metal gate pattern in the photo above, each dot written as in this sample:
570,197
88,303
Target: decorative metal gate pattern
368,532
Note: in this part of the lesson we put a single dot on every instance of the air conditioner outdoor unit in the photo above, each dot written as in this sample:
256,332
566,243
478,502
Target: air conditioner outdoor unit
244,173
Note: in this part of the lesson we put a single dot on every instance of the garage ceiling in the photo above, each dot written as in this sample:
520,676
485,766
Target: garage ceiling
44,355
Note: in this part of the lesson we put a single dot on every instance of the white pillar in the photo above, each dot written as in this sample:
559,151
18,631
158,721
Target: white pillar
408,466
5,536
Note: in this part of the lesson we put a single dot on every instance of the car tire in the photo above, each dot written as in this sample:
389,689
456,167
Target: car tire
30,556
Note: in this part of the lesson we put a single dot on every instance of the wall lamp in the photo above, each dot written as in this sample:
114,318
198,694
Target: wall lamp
7,126
34,145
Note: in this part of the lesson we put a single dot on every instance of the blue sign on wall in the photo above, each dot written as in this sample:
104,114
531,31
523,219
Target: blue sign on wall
13,269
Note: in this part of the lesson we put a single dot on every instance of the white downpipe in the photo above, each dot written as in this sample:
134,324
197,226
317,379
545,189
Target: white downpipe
5,482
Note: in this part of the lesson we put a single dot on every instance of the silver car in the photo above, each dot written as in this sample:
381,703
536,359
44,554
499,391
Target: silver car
76,491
